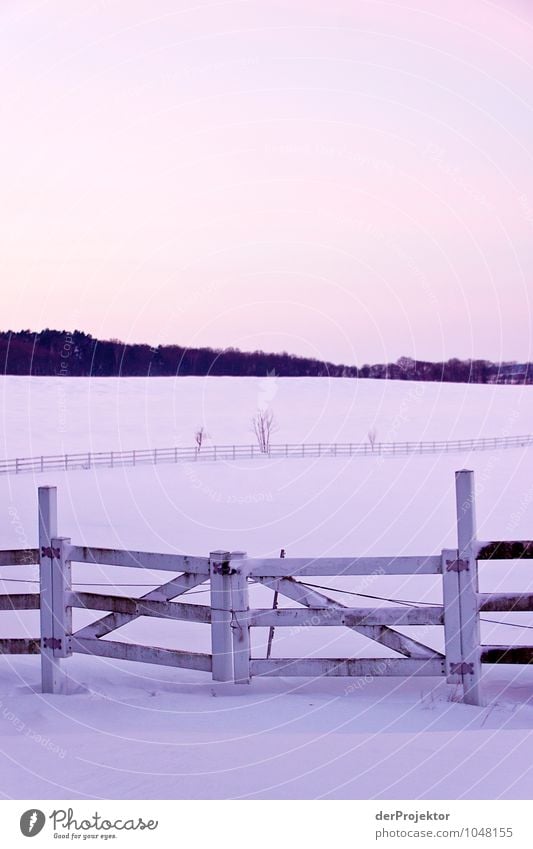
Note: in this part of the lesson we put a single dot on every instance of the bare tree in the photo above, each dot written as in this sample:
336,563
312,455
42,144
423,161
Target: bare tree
372,436
199,437
264,425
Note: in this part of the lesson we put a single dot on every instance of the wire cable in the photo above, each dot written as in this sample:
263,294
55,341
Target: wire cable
417,604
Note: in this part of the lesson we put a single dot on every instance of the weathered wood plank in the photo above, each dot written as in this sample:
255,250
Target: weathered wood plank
52,676
507,654
221,617
139,559
20,601
505,550
25,645
379,633
349,617
407,646
468,587
240,618
340,566
350,667
135,607
452,614
172,589
61,588
516,602
143,654
19,557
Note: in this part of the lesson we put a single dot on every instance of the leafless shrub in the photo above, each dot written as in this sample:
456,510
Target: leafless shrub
372,436
199,437
264,425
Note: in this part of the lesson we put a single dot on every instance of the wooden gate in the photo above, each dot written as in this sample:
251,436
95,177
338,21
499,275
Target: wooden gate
230,617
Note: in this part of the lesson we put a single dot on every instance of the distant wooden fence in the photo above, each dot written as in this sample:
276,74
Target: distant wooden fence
230,617
213,453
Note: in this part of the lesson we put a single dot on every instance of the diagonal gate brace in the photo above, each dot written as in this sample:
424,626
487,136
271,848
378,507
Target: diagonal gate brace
166,592
378,633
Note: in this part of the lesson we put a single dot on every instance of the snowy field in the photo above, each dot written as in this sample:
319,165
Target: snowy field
139,731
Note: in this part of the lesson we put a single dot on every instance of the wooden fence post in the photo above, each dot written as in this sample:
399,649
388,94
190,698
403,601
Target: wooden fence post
221,630
53,573
61,589
452,614
240,622
466,564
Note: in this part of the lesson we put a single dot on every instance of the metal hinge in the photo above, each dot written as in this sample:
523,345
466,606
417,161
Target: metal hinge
48,551
51,643
457,566
223,568
461,668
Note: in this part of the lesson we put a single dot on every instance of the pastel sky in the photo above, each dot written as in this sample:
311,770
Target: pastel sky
349,179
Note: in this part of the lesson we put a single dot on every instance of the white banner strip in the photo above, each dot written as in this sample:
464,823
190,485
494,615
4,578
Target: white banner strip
358,824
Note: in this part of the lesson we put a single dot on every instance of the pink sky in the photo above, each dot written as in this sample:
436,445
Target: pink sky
351,180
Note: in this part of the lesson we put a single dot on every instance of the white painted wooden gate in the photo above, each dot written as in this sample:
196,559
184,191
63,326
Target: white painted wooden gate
230,618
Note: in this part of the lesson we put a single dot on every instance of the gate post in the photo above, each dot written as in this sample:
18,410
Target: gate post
240,623
54,583
470,667
61,589
452,614
221,630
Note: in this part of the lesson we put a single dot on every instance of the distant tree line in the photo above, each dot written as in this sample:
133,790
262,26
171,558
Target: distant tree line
77,354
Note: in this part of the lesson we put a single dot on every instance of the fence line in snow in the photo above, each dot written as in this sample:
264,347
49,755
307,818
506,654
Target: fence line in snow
230,617
214,453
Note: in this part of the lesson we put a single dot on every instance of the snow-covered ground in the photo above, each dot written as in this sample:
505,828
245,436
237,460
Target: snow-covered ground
48,415
139,731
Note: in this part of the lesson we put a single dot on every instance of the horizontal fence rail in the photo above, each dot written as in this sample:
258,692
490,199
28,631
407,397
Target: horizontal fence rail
313,667
231,575
20,645
138,559
293,618
19,557
215,453
297,566
143,654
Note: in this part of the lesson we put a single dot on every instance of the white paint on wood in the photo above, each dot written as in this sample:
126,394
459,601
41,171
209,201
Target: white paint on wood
231,618
349,617
61,590
172,589
52,676
221,617
216,452
299,566
380,633
139,559
240,621
468,586
135,607
143,654
318,666
452,614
